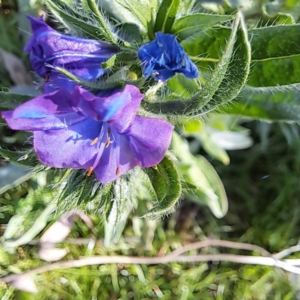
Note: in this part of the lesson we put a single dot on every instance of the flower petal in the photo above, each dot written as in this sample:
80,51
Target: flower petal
164,56
116,159
68,148
56,81
118,108
131,98
82,57
45,112
149,140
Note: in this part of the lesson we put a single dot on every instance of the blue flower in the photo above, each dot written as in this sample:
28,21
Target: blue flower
101,134
164,57
81,57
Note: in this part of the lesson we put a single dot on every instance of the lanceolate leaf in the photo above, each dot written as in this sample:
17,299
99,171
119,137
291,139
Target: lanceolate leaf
119,207
78,189
275,41
187,26
166,184
25,158
141,11
70,18
237,72
220,207
266,43
166,15
225,82
280,103
276,55
278,71
201,182
10,101
275,52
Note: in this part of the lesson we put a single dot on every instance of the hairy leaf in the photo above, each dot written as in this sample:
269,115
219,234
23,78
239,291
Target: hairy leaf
25,158
166,184
275,52
79,189
166,15
141,11
10,101
236,74
272,104
187,26
119,207
69,18
276,55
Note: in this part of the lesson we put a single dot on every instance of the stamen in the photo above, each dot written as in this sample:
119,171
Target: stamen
118,171
89,172
47,77
94,141
108,130
155,73
108,142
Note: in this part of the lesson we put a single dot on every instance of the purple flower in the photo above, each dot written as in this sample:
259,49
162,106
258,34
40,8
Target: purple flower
164,57
98,133
81,57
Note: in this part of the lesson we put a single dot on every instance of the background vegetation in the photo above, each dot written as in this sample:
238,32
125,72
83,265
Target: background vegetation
262,186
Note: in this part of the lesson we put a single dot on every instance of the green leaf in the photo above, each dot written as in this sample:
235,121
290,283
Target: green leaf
13,175
212,148
119,208
275,41
78,189
166,185
141,11
166,15
69,18
275,52
272,104
109,63
183,86
24,158
237,72
224,84
219,207
130,32
187,26
276,55
201,182
275,13
266,42
207,43
272,72
11,101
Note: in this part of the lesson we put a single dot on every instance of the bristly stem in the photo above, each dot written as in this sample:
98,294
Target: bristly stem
105,30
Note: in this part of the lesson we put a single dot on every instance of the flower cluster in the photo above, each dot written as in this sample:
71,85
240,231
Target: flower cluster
101,132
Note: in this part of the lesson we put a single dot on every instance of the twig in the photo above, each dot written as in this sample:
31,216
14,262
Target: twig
219,243
287,252
287,265
99,260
